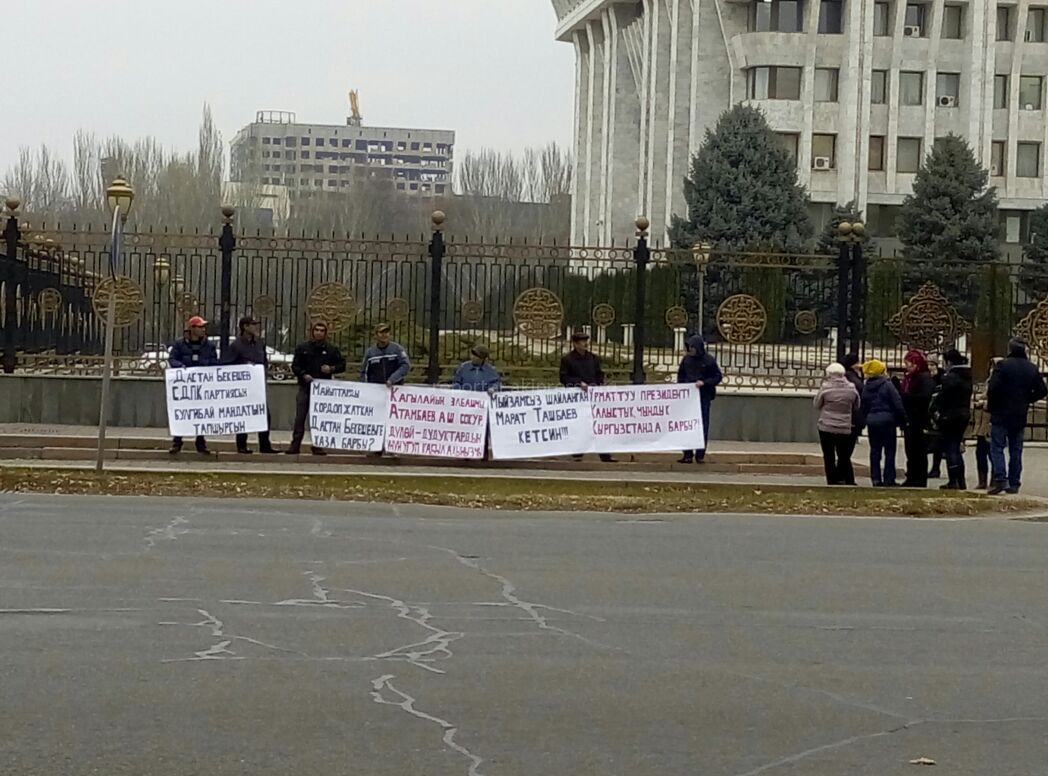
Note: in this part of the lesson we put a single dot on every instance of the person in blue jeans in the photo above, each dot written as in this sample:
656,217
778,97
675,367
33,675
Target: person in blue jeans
1013,387
882,415
700,368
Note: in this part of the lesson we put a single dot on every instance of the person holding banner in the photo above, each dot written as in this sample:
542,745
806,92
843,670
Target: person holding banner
193,350
477,374
700,368
581,368
247,348
385,362
316,359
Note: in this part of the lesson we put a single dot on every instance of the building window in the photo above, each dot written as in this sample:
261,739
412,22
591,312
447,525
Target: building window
414,146
318,182
947,89
826,84
775,83
276,154
830,17
1000,92
953,22
1030,89
1004,22
823,152
1035,25
777,16
997,159
266,141
1028,160
289,142
879,87
876,162
882,19
304,141
400,186
911,88
790,144
908,158
913,25
305,154
333,142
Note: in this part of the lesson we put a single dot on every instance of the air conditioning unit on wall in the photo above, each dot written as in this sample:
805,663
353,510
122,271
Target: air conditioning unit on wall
912,31
995,171
821,163
947,101
1029,106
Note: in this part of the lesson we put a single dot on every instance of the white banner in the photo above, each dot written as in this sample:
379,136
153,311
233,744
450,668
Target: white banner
538,424
646,418
348,416
216,400
437,422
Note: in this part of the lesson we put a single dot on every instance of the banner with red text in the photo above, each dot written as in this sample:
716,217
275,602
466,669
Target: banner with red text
646,418
437,422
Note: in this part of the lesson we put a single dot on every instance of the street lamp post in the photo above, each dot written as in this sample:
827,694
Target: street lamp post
850,284
119,197
700,252
641,257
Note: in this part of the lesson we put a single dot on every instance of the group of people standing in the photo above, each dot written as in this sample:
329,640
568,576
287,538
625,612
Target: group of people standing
934,409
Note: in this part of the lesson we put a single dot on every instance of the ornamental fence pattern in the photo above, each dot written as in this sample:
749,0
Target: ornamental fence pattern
773,321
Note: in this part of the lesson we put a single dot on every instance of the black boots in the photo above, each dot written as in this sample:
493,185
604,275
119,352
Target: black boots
956,481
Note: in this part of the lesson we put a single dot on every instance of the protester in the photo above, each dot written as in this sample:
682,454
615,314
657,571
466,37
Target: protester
478,374
853,374
883,415
193,350
952,411
1014,386
935,442
982,431
838,404
248,348
385,362
581,368
917,388
316,359
700,368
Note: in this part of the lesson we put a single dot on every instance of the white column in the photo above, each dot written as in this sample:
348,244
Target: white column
627,334
678,339
602,335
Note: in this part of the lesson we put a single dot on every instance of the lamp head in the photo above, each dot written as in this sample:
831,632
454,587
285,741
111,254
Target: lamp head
120,196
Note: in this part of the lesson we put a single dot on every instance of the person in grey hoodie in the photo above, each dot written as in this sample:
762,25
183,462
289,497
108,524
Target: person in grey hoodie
385,362
700,368
838,406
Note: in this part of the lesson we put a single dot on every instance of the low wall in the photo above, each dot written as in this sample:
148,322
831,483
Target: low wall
139,402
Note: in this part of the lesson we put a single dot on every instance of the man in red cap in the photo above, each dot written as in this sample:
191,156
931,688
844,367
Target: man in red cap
193,350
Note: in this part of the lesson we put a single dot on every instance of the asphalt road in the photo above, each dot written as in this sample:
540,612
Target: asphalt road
156,637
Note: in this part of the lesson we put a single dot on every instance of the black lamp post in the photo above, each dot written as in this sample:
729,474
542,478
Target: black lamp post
641,257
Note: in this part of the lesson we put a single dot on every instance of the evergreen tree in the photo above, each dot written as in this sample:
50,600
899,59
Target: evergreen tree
952,214
1034,272
743,189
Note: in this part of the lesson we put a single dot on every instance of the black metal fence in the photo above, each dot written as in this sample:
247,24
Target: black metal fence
773,321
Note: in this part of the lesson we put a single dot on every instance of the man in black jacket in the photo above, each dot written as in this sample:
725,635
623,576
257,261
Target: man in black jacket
952,412
1014,386
581,368
316,359
248,348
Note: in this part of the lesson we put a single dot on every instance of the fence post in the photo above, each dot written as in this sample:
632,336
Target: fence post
436,261
11,236
227,243
858,293
641,256
844,231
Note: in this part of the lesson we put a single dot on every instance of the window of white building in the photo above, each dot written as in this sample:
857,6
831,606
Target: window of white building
823,152
914,24
1028,160
911,88
774,83
1004,22
1035,25
790,143
826,84
947,89
876,162
831,17
879,87
1000,92
882,19
953,22
777,16
908,158
1031,88
997,157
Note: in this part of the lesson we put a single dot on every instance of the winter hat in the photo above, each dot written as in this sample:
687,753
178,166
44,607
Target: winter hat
874,368
849,361
835,370
953,357
918,359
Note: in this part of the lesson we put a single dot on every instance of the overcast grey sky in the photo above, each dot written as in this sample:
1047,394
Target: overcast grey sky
488,69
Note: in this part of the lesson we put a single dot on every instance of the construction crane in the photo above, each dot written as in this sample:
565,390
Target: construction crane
354,107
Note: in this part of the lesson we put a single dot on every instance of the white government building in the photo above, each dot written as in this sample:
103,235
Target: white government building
857,91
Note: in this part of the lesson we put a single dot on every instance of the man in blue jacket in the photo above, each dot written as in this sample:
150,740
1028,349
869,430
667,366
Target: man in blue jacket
385,362
193,350
1014,386
700,368
477,374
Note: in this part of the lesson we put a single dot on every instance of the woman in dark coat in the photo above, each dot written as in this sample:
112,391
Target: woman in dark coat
953,411
917,389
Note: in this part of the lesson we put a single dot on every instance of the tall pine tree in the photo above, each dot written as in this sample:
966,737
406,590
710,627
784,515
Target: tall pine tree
952,214
1034,272
743,190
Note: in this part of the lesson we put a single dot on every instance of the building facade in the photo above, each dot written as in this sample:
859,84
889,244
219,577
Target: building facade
277,150
857,91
